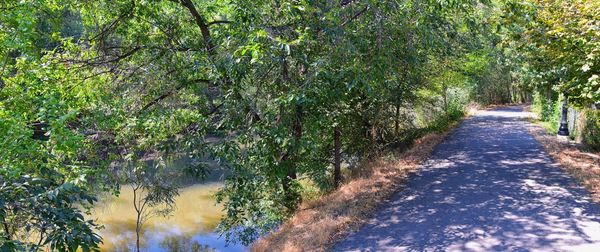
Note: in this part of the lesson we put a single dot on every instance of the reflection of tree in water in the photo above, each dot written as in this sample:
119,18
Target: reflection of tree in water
126,243
184,243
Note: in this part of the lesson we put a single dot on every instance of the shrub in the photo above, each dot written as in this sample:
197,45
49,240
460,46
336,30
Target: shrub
591,129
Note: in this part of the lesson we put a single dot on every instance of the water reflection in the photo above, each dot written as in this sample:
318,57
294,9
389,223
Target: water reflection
189,228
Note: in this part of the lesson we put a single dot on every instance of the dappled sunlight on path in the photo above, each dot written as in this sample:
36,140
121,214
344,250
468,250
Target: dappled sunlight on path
488,187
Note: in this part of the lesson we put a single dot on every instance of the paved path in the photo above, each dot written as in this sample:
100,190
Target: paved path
488,187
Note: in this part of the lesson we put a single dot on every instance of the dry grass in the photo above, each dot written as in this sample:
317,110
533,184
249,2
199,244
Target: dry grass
322,222
584,166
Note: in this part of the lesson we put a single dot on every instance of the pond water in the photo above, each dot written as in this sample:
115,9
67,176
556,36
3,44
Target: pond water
189,228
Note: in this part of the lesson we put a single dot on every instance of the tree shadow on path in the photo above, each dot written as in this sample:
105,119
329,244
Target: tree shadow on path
488,187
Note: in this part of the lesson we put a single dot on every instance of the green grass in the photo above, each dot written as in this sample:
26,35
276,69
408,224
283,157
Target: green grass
550,127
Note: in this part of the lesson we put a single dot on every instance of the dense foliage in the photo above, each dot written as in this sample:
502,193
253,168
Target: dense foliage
556,50
559,43
94,94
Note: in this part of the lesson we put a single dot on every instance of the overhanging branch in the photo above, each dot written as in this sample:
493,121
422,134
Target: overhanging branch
355,16
168,94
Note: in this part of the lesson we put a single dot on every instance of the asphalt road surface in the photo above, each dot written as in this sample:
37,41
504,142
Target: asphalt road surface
488,187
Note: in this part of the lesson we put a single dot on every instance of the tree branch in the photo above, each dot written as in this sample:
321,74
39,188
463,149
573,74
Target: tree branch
114,23
167,94
200,22
92,61
358,14
219,22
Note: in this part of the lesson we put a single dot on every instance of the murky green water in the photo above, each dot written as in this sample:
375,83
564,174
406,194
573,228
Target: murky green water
189,228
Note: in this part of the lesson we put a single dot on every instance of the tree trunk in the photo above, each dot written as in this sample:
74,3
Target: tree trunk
509,94
549,100
445,94
374,136
297,131
397,120
337,156
290,159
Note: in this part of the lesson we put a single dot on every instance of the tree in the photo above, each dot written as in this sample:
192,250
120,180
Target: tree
559,44
154,193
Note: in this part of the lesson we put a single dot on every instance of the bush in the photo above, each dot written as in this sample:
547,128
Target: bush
591,129
548,111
